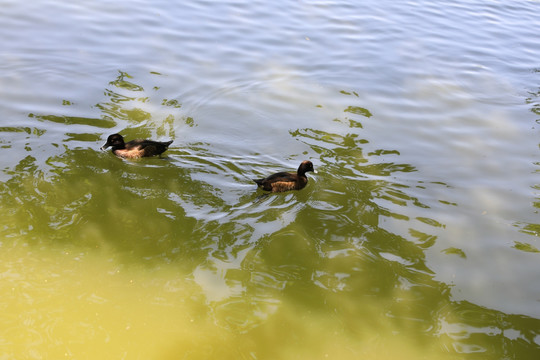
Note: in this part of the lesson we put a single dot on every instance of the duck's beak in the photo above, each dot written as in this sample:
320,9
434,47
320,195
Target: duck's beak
105,146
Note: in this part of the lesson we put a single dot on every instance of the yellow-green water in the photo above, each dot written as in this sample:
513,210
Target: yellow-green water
60,303
416,239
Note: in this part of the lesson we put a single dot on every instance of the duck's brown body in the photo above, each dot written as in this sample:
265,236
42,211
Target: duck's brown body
135,149
285,181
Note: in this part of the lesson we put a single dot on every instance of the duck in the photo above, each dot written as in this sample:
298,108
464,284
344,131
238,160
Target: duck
285,181
135,149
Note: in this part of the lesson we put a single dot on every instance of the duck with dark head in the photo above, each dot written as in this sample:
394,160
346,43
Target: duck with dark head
135,149
285,181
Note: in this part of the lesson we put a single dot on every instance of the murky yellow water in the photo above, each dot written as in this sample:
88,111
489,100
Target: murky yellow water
60,303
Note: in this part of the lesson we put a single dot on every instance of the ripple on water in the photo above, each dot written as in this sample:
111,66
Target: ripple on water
411,112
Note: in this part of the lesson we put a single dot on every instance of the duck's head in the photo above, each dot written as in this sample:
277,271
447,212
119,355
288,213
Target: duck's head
305,166
114,140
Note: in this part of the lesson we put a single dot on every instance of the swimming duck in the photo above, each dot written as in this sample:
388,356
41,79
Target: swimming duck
135,148
285,181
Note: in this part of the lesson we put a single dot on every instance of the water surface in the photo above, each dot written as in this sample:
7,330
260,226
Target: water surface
417,238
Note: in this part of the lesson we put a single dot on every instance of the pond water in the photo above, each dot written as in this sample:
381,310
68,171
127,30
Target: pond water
417,238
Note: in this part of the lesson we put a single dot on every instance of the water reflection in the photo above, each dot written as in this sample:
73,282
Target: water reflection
532,228
349,250
329,250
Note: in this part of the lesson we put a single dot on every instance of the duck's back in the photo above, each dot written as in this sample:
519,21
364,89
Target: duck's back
143,148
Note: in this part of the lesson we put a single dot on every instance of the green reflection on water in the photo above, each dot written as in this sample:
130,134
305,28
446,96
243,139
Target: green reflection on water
321,264
75,120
